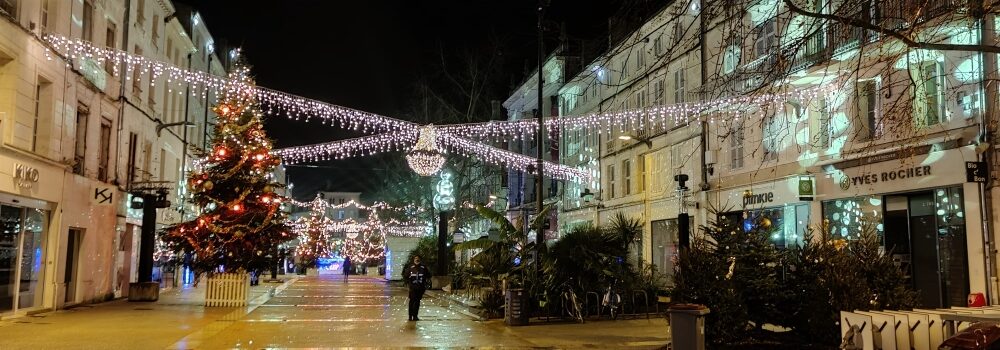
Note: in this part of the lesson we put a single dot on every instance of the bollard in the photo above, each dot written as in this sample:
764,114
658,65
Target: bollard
687,326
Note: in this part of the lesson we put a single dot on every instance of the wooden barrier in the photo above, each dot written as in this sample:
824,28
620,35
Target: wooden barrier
228,290
918,329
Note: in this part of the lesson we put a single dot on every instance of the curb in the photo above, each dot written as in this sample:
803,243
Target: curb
461,307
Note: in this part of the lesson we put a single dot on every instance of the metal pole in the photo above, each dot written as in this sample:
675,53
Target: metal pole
540,137
989,86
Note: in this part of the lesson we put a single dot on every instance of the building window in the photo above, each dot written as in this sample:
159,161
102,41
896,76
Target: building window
679,85
866,109
43,20
824,135
105,156
624,69
627,176
731,59
140,12
88,21
133,149
771,140
163,165
80,148
766,38
611,181
43,114
640,164
156,31
640,60
736,137
658,46
678,31
929,89
9,7
109,41
340,214
152,91
137,77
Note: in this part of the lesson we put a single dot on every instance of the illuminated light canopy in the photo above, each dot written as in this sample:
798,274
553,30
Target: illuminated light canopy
425,159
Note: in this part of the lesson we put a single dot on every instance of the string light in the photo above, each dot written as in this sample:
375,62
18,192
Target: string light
361,146
425,159
512,160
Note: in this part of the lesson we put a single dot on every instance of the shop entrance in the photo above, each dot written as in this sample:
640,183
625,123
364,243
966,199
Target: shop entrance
72,258
925,231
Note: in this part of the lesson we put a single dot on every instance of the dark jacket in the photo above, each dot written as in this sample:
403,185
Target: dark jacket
417,276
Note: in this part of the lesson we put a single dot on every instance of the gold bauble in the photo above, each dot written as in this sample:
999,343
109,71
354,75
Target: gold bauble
208,185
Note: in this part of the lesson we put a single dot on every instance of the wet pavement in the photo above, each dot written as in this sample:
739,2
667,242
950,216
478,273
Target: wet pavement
310,312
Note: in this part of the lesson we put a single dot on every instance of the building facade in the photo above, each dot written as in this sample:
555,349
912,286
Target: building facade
76,135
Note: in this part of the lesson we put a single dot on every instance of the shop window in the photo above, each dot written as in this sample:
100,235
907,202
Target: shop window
665,245
847,218
785,225
22,234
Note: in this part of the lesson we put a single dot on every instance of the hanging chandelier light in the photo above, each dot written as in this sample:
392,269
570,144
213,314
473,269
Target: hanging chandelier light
425,159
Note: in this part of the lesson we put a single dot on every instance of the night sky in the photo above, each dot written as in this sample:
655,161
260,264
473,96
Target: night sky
368,55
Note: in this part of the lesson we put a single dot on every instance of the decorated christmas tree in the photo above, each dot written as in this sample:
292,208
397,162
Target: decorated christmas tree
365,247
240,222
313,232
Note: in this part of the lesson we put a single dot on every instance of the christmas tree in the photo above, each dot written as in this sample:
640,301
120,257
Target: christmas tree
241,221
367,246
314,238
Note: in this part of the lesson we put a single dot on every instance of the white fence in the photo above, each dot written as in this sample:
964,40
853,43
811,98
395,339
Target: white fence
228,289
918,329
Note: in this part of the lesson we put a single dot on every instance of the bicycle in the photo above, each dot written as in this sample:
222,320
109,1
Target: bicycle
570,302
612,300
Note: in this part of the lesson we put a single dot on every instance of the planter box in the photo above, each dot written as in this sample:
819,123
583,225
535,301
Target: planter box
228,290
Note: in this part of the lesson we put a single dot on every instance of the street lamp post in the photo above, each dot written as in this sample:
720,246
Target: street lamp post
540,137
683,222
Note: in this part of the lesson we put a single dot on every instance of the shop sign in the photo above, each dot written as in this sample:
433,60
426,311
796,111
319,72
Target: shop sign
750,198
871,178
806,188
975,172
103,195
25,176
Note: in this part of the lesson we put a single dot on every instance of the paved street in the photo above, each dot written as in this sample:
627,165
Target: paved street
311,312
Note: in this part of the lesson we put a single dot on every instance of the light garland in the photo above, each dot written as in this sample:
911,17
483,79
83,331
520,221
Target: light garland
512,160
361,146
455,137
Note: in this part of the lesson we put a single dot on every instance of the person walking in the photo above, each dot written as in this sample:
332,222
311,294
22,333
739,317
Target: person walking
347,267
418,277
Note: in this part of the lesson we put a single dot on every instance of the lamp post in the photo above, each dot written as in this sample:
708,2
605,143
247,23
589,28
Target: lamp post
683,221
540,137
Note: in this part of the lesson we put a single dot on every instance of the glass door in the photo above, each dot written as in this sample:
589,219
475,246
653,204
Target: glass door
10,242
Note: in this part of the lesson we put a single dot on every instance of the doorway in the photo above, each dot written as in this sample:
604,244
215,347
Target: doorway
73,240
925,232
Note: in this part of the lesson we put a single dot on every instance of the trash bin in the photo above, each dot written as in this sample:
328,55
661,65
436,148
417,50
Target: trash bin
687,326
516,307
